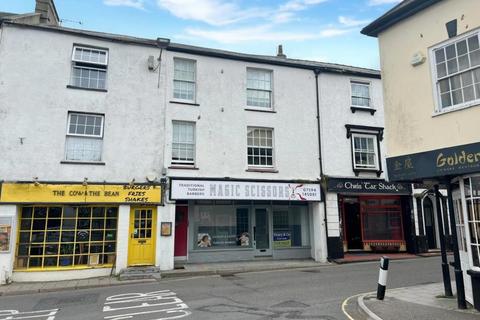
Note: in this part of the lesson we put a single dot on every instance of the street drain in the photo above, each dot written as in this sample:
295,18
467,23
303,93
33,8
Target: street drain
311,271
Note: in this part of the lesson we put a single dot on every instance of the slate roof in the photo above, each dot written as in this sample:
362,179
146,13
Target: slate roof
177,47
398,13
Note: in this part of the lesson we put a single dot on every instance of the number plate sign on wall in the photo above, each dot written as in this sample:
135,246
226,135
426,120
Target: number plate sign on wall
243,190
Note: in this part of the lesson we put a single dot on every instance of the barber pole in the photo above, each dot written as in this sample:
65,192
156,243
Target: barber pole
382,278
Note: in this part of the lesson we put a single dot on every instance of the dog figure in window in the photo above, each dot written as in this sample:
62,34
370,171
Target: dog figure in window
244,239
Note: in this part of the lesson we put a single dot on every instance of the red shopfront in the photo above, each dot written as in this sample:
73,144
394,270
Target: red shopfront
372,223
373,214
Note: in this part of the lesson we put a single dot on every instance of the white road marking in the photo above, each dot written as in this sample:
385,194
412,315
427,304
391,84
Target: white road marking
16,315
136,305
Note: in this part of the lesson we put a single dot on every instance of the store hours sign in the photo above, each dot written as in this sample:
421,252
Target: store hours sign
243,190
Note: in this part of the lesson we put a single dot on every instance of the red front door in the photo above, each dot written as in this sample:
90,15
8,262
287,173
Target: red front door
181,231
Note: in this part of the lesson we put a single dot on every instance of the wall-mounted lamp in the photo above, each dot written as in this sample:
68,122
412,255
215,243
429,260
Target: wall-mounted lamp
85,181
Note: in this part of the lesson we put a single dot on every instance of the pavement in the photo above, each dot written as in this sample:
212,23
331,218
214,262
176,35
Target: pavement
425,301
314,292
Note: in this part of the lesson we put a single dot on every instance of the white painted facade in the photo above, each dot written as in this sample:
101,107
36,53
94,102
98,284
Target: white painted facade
35,69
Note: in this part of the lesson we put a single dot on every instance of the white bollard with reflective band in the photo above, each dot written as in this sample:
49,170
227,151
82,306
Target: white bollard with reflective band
382,278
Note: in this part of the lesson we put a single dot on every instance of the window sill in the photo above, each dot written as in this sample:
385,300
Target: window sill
239,248
88,89
357,171
453,109
264,170
290,248
98,163
185,103
260,110
371,110
183,167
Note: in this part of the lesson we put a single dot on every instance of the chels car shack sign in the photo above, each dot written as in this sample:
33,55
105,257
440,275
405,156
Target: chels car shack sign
243,190
366,186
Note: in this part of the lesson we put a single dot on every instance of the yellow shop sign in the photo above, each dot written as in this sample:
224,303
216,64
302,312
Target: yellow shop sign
79,193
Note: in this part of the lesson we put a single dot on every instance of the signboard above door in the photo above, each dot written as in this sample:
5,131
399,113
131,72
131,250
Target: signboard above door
243,190
346,185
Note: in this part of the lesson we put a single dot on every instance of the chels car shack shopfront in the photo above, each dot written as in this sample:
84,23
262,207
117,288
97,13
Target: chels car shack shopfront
77,230
457,168
231,220
374,214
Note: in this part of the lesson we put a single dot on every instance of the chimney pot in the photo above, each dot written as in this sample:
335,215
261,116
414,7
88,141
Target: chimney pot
280,53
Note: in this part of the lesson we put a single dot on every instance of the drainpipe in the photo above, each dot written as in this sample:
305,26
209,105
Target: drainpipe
317,72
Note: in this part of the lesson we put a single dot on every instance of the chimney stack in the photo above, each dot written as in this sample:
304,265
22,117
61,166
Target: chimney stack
48,12
280,53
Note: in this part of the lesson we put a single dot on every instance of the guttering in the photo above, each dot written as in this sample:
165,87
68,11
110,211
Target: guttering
397,14
323,193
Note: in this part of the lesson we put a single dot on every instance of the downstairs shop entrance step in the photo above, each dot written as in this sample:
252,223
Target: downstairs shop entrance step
137,273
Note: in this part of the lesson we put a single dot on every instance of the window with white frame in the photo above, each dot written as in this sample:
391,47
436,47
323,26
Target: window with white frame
360,94
260,147
89,68
472,197
183,143
84,137
457,72
365,153
184,79
259,88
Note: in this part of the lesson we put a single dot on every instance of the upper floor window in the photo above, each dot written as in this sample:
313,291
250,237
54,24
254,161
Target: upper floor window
260,147
365,153
360,94
183,143
457,73
89,68
259,88
184,79
84,137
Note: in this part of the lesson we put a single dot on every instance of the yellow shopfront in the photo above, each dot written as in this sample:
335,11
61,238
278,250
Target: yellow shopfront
61,227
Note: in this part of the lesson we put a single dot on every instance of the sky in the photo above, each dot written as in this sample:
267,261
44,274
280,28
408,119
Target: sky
320,30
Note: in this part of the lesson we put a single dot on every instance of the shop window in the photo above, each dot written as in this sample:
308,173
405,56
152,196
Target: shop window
290,227
183,143
66,237
457,72
260,147
84,137
221,227
259,88
360,94
89,68
381,220
472,194
184,79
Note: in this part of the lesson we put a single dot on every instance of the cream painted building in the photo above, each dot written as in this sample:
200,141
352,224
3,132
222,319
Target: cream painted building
430,61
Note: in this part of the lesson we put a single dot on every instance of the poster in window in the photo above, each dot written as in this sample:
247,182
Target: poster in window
204,240
166,229
5,234
282,239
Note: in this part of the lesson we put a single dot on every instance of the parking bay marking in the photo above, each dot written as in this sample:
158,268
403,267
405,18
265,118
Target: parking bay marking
38,315
129,305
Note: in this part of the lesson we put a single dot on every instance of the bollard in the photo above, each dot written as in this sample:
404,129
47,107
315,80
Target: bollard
382,278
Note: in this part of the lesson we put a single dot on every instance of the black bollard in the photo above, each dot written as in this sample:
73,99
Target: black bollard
382,278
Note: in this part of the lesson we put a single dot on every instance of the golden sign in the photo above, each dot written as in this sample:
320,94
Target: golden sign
79,193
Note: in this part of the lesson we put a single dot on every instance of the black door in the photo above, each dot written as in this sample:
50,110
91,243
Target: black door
429,223
353,225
